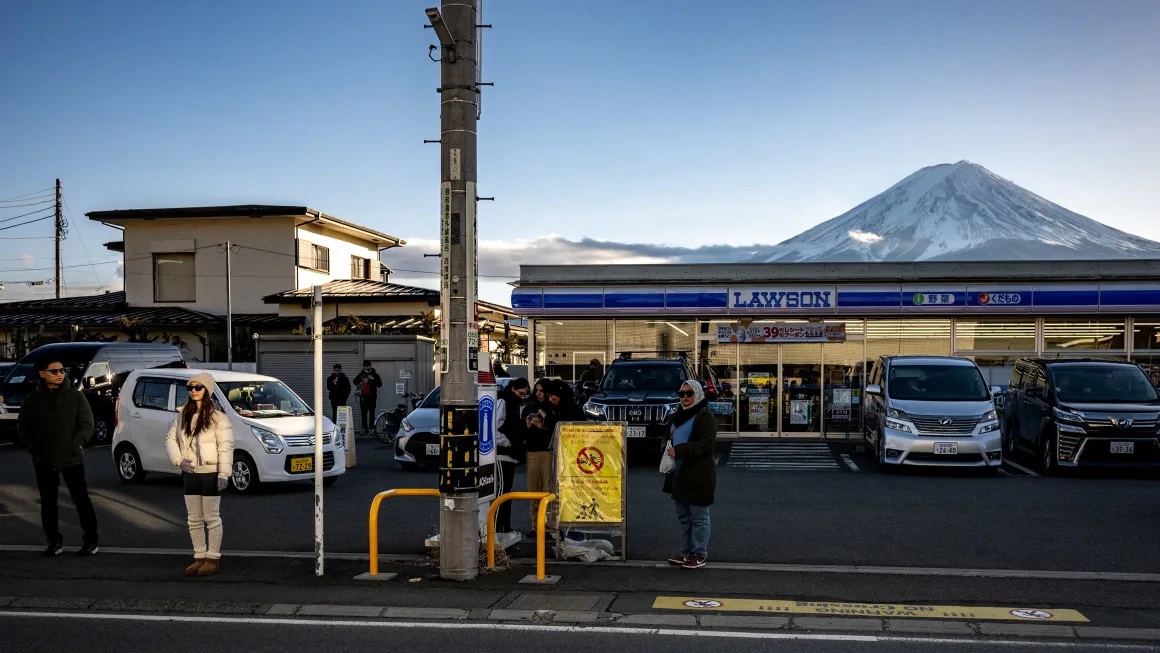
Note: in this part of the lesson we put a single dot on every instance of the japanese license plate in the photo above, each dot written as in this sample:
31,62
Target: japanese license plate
637,431
946,448
304,464
432,449
1123,447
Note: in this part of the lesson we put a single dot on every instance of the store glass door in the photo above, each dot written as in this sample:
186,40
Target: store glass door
801,383
757,381
718,368
842,414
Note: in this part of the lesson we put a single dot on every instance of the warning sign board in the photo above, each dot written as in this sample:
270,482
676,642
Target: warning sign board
881,610
590,473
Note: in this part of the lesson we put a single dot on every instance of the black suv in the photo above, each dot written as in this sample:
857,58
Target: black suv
641,389
1089,413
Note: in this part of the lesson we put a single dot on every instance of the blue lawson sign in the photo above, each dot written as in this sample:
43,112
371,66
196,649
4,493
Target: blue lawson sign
486,425
765,298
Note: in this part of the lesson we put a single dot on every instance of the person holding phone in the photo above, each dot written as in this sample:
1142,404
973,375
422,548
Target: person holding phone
538,444
201,443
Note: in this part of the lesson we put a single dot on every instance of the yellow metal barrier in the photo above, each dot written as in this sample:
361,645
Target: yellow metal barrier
374,521
544,498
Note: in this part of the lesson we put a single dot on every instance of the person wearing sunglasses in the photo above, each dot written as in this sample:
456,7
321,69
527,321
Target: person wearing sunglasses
693,482
201,443
55,423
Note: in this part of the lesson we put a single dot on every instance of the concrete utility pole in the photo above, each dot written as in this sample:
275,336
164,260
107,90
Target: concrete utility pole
59,236
456,26
229,313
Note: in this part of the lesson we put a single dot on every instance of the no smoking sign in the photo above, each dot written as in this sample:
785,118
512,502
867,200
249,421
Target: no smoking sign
702,603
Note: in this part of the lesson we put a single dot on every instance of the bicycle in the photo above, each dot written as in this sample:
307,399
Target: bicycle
388,423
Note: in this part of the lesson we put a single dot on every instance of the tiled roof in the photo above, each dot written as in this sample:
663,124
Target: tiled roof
153,317
107,301
359,290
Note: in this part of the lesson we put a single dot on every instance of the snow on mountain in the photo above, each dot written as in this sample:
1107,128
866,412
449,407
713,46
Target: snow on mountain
962,212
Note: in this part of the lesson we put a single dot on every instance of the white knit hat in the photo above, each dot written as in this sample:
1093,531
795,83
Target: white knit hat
205,379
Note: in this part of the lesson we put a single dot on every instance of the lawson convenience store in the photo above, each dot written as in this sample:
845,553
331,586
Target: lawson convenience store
789,345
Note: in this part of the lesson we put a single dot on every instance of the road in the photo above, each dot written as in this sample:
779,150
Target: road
945,520
123,633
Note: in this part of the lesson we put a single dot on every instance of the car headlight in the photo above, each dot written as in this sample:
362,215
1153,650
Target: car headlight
990,416
596,410
898,426
406,426
894,413
1068,428
271,442
1068,416
988,428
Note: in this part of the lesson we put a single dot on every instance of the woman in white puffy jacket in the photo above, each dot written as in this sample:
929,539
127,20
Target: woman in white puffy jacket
201,443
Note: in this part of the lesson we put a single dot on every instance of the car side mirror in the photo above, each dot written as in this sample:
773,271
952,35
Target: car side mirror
874,389
997,390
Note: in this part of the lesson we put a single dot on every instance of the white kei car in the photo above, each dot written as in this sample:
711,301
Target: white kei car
273,428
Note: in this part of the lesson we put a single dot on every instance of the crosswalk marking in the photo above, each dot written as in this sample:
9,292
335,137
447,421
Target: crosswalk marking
783,456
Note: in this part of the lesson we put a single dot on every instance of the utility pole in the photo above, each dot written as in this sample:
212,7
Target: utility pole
229,313
58,235
456,26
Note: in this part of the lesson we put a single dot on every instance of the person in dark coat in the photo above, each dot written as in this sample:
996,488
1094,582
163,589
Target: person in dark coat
367,384
55,423
338,385
538,444
564,406
694,481
510,431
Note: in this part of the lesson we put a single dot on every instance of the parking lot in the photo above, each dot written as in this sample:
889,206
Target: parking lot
783,512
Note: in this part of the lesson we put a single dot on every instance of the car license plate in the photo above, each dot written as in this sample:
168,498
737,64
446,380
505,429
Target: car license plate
432,450
1123,447
946,448
637,431
305,464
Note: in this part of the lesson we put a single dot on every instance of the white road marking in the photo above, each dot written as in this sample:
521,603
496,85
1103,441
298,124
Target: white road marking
603,630
1128,577
1019,467
783,456
850,463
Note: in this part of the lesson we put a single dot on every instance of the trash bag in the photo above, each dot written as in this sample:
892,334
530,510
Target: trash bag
586,551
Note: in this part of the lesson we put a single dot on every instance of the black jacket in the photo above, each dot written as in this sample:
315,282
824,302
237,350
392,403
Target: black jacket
371,379
696,481
55,425
514,428
339,387
537,439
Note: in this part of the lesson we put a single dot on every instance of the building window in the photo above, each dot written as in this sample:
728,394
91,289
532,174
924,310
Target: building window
360,268
1087,334
174,278
314,257
1014,334
1145,334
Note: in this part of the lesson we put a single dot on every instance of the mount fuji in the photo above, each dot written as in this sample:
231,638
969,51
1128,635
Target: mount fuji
960,212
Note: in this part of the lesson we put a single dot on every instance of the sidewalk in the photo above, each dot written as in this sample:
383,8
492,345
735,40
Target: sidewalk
586,595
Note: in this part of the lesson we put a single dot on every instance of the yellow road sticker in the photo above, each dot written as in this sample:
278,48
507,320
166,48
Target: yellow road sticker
880,610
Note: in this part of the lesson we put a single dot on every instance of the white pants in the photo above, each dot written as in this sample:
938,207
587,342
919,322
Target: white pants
204,516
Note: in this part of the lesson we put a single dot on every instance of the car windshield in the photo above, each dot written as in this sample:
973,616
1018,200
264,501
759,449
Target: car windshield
644,376
1101,383
24,377
263,399
933,382
432,400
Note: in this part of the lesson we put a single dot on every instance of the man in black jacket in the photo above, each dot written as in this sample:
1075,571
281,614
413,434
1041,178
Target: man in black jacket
339,388
55,423
367,385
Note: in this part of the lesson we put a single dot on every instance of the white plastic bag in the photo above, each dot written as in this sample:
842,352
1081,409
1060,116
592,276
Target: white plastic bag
667,464
586,551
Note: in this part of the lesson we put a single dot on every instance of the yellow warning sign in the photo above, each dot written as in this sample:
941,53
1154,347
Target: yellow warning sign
880,610
590,460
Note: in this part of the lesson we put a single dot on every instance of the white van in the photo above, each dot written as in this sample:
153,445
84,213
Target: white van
273,428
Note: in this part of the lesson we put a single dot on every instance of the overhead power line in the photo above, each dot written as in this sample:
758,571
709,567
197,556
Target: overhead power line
47,208
47,217
16,206
19,197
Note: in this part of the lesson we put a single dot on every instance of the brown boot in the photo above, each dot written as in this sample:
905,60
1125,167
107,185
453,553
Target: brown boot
192,569
209,567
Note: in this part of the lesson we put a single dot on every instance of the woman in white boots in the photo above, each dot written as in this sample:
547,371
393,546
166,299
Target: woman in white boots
201,443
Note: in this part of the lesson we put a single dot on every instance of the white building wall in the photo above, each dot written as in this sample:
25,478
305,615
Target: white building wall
342,247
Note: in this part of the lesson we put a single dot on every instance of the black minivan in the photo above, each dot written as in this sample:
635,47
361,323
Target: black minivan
1083,413
98,369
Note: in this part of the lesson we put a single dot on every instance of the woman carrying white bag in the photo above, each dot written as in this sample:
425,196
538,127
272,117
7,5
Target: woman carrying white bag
691,472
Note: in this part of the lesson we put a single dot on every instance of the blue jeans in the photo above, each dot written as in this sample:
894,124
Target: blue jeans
694,528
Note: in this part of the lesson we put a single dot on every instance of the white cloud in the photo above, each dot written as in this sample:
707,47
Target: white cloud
864,236
27,260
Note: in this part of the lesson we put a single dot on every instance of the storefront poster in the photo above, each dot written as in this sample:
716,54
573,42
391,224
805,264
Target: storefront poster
799,411
841,400
590,464
772,332
759,407
721,407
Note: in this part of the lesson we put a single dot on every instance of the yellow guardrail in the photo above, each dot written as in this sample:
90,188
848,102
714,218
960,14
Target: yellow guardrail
544,498
374,521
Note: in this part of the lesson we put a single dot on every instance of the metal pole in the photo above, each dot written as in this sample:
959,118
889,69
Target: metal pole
229,313
455,25
58,235
316,335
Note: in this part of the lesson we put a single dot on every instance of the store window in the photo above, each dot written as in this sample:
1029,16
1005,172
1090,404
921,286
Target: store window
174,277
565,347
1146,334
1150,363
670,336
1083,334
907,338
1015,334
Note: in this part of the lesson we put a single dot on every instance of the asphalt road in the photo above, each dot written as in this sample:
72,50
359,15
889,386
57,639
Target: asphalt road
24,634
1086,523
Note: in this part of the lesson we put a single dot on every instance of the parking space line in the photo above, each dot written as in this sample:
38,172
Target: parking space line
1019,467
850,463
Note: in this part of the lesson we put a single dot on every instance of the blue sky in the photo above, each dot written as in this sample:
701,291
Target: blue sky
678,123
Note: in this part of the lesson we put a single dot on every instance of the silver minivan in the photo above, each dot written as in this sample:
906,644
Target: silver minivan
932,411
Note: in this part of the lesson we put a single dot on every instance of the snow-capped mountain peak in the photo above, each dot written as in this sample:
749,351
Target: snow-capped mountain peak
960,211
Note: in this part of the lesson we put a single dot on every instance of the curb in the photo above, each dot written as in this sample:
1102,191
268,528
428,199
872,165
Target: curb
886,628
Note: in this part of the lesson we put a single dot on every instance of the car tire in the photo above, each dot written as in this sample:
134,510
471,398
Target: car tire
244,474
128,463
329,481
1010,446
101,432
1047,455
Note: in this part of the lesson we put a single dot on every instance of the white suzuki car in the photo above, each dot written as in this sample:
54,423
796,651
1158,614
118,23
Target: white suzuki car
273,428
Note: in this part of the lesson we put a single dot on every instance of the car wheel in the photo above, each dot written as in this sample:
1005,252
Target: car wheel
1047,455
100,433
329,481
1009,446
244,478
129,464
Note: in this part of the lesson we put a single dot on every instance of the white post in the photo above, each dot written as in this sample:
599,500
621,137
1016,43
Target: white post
316,331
